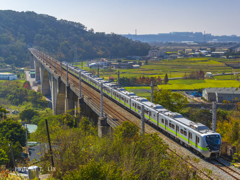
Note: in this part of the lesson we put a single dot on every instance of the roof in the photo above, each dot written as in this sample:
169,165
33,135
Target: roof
31,128
223,90
7,74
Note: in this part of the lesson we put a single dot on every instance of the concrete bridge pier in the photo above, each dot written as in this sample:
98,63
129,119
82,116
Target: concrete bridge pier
103,127
70,99
37,71
60,100
45,88
54,93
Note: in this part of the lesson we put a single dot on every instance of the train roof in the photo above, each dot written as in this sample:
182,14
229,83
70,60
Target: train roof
196,126
121,89
128,93
110,84
140,99
157,107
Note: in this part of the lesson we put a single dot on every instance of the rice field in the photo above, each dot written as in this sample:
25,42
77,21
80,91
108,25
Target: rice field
198,84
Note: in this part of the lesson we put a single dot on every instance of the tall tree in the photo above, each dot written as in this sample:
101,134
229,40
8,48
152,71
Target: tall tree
166,79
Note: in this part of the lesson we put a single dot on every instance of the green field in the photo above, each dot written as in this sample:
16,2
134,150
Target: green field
174,68
182,84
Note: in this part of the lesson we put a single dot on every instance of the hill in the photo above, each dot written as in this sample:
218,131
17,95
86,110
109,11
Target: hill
58,38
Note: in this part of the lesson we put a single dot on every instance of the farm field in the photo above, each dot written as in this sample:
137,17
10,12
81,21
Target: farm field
174,68
182,84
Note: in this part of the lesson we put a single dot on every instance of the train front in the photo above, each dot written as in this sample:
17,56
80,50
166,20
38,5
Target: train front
213,145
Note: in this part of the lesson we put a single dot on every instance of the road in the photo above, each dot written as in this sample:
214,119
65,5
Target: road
31,80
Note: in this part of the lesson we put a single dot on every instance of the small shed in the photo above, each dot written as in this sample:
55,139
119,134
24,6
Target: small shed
111,79
209,74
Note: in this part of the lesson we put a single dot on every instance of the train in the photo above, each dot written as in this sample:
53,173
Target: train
195,136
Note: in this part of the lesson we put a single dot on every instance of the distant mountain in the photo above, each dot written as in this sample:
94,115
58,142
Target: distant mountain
181,36
58,38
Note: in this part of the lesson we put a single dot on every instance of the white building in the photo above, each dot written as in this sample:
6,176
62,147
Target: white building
7,76
209,74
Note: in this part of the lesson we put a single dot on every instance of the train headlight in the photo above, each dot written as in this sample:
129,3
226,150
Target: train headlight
208,148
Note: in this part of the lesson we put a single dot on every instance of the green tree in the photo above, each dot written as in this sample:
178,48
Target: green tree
12,131
27,114
171,101
166,79
3,157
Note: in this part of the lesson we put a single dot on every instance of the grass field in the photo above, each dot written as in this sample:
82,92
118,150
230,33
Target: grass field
182,84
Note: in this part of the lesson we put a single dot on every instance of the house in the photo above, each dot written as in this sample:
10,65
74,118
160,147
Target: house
221,94
209,74
123,65
188,51
111,79
8,76
156,53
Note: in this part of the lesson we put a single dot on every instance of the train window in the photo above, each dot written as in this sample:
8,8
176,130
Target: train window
127,101
150,113
173,126
162,120
185,133
190,135
197,139
181,131
139,107
170,125
133,104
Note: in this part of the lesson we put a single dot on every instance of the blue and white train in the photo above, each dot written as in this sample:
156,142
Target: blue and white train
196,136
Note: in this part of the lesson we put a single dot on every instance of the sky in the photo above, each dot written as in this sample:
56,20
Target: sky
218,17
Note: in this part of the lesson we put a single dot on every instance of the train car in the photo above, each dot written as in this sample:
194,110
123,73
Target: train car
194,135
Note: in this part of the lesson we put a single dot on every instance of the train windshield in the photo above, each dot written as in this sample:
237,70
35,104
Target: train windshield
213,141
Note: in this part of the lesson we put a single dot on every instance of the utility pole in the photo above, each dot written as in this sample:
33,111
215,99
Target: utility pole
152,91
80,80
118,78
12,155
67,74
98,71
142,121
26,138
214,116
50,147
101,115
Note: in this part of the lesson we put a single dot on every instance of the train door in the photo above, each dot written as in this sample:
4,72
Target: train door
166,123
196,140
177,129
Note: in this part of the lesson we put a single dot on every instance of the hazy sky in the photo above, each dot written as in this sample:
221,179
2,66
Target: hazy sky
219,17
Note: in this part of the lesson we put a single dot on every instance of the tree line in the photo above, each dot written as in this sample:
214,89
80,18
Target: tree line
142,80
58,38
194,75
17,94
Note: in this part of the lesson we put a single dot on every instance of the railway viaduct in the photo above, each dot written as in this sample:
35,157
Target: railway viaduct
64,90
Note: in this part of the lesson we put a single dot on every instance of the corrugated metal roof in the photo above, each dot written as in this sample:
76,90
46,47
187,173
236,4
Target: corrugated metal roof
222,90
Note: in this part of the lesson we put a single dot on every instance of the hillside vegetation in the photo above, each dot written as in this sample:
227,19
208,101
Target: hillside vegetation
59,38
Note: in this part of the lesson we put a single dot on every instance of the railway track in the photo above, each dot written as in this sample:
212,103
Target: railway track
225,168
74,82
